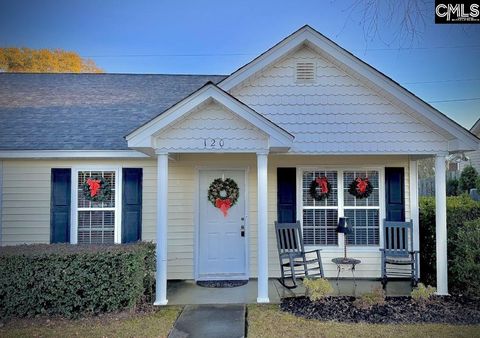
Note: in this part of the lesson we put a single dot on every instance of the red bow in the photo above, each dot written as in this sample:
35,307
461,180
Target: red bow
323,184
362,184
94,186
223,205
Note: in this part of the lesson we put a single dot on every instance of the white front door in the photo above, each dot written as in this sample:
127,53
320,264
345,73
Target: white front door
221,239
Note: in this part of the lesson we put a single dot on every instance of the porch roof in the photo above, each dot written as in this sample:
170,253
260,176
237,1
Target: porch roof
248,130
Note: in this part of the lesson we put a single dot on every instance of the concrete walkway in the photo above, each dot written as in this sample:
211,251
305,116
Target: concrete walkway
212,321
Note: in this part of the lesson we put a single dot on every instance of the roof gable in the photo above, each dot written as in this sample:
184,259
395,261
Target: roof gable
211,126
459,138
334,112
149,136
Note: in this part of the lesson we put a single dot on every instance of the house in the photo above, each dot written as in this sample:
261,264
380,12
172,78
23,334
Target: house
204,165
474,156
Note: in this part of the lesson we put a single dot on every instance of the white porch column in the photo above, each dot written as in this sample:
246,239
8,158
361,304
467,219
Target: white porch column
441,224
414,210
162,224
262,227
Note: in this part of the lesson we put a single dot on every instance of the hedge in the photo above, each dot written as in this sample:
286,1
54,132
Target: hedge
466,262
71,280
460,209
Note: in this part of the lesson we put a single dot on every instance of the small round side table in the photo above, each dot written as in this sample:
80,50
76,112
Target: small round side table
344,263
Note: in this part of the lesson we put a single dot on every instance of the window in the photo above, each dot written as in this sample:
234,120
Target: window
363,214
96,220
320,217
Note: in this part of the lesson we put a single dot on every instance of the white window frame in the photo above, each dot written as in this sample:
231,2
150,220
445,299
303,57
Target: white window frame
118,201
341,208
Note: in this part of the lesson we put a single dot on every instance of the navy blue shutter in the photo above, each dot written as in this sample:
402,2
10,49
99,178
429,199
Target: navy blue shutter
132,205
286,195
395,194
60,205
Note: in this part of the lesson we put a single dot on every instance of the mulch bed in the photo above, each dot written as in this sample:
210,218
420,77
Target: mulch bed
222,283
396,310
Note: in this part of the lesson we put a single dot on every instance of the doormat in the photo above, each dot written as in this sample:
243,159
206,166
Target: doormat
222,283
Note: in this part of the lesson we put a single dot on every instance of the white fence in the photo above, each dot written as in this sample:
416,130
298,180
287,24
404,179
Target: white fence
426,186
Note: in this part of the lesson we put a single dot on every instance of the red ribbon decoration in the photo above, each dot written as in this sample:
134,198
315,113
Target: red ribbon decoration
223,205
94,186
323,184
362,184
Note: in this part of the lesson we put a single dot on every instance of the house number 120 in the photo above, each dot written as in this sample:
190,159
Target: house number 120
213,142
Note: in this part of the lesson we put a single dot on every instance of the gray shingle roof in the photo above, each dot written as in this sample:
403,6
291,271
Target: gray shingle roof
84,111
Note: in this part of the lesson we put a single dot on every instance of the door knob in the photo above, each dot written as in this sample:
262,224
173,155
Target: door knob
242,230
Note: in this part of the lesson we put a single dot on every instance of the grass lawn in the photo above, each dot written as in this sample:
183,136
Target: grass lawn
263,321
150,324
269,321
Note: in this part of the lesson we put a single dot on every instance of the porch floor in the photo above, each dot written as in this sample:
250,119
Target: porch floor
182,292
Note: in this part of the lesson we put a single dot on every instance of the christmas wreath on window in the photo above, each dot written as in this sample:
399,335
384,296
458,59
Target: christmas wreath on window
320,188
360,187
96,189
223,194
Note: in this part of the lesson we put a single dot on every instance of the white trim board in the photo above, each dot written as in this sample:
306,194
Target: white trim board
129,154
47,154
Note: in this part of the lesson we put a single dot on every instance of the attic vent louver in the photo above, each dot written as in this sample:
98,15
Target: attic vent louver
305,71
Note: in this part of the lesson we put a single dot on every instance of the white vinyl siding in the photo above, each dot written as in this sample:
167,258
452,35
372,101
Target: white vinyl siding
364,213
96,220
26,202
319,217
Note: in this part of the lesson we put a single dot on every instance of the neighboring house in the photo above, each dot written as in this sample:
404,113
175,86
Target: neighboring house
305,108
474,155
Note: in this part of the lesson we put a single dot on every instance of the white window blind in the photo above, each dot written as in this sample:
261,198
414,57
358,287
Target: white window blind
320,217
363,214
96,220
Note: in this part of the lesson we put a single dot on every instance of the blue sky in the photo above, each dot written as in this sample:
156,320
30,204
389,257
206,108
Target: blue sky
441,63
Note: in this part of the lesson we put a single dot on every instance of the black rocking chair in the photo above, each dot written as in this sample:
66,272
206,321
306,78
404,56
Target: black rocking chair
292,255
398,252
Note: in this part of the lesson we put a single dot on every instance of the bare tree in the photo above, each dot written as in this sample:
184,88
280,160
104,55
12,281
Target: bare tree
375,15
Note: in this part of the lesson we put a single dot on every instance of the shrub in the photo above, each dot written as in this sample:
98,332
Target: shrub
477,185
459,210
70,280
422,294
468,178
369,299
466,261
452,187
317,288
